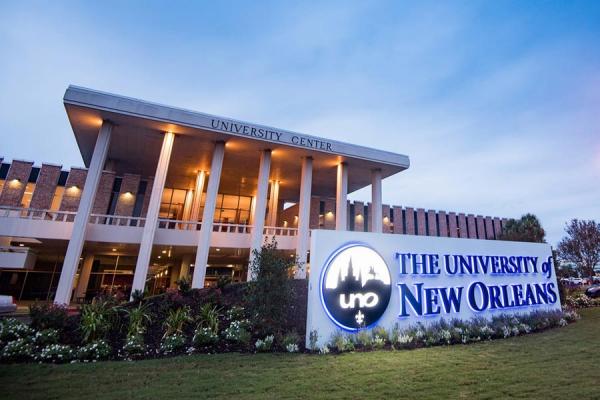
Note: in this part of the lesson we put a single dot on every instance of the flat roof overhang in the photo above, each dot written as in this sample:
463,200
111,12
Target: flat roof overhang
136,142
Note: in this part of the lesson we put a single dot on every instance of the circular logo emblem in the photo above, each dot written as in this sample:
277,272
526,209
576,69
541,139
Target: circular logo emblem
355,287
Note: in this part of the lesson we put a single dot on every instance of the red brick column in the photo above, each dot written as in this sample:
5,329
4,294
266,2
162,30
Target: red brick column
14,186
398,220
359,211
489,228
480,227
432,223
453,225
410,221
104,192
127,195
421,225
45,186
443,224
385,214
329,215
462,225
471,226
73,188
497,228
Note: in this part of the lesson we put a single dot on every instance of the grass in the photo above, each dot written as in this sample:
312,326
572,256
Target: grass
560,363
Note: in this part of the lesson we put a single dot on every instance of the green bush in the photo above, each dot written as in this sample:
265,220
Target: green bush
264,345
173,344
17,350
97,319
46,337
176,320
139,318
48,316
270,294
94,351
134,347
56,353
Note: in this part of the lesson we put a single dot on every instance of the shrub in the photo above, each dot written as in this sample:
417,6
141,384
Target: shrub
56,353
270,294
364,339
313,338
340,342
139,317
176,320
204,337
48,316
172,344
209,318
134,347
12,329
17,350
184,285
97,319
580,300
94,351
292,348
264,345
381,332
237,332
291,340
46,337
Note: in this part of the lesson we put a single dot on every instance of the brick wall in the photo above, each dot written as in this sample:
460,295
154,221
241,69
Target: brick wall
45,186
398,220
104,192
410,221
471,226
452,225
421,229
73,189
14,186
443,224
462,226
432,223
127,194
480,227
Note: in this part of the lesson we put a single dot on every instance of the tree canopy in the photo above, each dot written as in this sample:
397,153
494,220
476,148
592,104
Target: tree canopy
581,246
526,229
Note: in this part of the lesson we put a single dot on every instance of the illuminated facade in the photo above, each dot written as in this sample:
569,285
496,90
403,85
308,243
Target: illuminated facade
170,193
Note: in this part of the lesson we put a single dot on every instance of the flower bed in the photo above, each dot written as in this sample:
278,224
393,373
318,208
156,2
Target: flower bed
240,317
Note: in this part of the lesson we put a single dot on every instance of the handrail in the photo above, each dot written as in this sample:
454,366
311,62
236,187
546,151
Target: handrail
138,222
121,220
37,214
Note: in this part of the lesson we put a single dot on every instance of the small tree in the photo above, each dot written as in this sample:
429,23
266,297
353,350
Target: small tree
581,246
270,292
526,229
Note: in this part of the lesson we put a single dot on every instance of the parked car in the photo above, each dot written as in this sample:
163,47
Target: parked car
7,304
593,291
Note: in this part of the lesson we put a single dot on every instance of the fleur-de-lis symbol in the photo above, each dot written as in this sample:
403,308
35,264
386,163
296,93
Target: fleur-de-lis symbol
359,317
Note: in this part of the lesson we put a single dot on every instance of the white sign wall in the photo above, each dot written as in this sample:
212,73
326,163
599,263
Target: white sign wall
361,280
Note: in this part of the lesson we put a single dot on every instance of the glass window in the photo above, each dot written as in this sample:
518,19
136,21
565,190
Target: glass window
57,198
26,200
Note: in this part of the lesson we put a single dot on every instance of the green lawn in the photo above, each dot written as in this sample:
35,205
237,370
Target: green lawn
561,363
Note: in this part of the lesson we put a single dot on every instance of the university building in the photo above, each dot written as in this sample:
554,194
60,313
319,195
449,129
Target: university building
168,193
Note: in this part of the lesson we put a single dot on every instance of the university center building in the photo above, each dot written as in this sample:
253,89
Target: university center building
168,193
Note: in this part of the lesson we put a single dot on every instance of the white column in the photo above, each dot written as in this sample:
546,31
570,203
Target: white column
208,216
304,217
260,208
187,205
65,283
195,212
341,198
84,276
184,269
376,204
143,259
273,204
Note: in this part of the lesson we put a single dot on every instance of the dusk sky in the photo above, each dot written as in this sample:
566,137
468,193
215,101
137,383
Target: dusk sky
496,103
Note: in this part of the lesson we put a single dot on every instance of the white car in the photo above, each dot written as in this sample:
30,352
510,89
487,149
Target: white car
7,304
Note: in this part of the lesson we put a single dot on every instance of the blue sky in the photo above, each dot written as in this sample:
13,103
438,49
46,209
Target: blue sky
497,103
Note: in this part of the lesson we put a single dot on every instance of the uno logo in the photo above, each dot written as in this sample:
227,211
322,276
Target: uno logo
355,287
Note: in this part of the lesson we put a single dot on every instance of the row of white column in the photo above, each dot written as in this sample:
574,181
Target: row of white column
71,262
